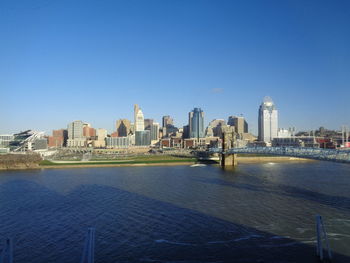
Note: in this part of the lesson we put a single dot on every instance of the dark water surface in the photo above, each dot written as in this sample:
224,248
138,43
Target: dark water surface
256,213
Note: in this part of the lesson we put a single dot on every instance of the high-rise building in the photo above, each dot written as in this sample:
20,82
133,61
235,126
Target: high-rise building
241,126
148,123
196,123
75,134
143,138
123,127
75,130
167,120
139,124
154,131
268,121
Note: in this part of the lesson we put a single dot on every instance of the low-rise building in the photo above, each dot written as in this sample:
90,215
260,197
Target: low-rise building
117,142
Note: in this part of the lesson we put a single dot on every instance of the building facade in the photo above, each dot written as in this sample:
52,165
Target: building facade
139,122
167,120
268,121
117,142
76,134
143,138
155,131
241,126
196,123
58,138
123,127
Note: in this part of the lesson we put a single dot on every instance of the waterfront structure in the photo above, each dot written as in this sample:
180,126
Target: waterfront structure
268,121
25,141
123,127
76,134
37,144
196,123
139,123
117,142
241,126
143,138
58,138
167,120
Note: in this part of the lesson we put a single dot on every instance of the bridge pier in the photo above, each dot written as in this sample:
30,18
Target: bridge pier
228,160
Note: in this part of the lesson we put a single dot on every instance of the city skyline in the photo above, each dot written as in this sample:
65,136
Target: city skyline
91,61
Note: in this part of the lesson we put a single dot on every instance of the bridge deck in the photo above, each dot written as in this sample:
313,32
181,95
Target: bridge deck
301,152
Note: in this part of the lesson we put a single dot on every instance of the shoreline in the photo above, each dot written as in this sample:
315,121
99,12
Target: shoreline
243,160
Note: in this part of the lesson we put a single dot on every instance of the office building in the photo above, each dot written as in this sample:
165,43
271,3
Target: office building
143,138
148,123
117,142
154,131
88,131
196,123
167,120
139,123
268,121
123,127
75,130
241,126
76,134
100,141
214,129
58,138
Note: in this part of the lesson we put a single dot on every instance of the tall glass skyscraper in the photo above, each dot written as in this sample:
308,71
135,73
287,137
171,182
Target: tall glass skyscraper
196,123
268,121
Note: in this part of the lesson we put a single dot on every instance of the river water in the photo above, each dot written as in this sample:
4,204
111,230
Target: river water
254,213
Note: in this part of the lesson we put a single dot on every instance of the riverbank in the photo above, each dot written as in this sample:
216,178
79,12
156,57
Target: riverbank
146,161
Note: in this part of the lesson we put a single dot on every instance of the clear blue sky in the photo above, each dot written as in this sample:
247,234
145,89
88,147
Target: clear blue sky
92,60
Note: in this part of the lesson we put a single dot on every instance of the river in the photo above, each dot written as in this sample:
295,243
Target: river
262,212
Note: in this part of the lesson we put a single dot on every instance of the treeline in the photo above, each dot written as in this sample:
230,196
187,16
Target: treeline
19,161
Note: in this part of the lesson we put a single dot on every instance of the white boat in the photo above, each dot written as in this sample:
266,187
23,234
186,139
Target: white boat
198,165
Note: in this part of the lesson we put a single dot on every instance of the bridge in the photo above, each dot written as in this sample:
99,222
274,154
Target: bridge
228,156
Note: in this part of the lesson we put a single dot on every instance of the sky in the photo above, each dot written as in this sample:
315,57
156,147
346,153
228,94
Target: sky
62,61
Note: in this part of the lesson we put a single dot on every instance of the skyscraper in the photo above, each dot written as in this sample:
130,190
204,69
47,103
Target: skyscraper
148,124
154,131
167,120
76,134
268,121
139,124
123,127
75,130
196,123
241,126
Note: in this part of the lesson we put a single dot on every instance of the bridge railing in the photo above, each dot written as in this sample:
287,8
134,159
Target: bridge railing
302,152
